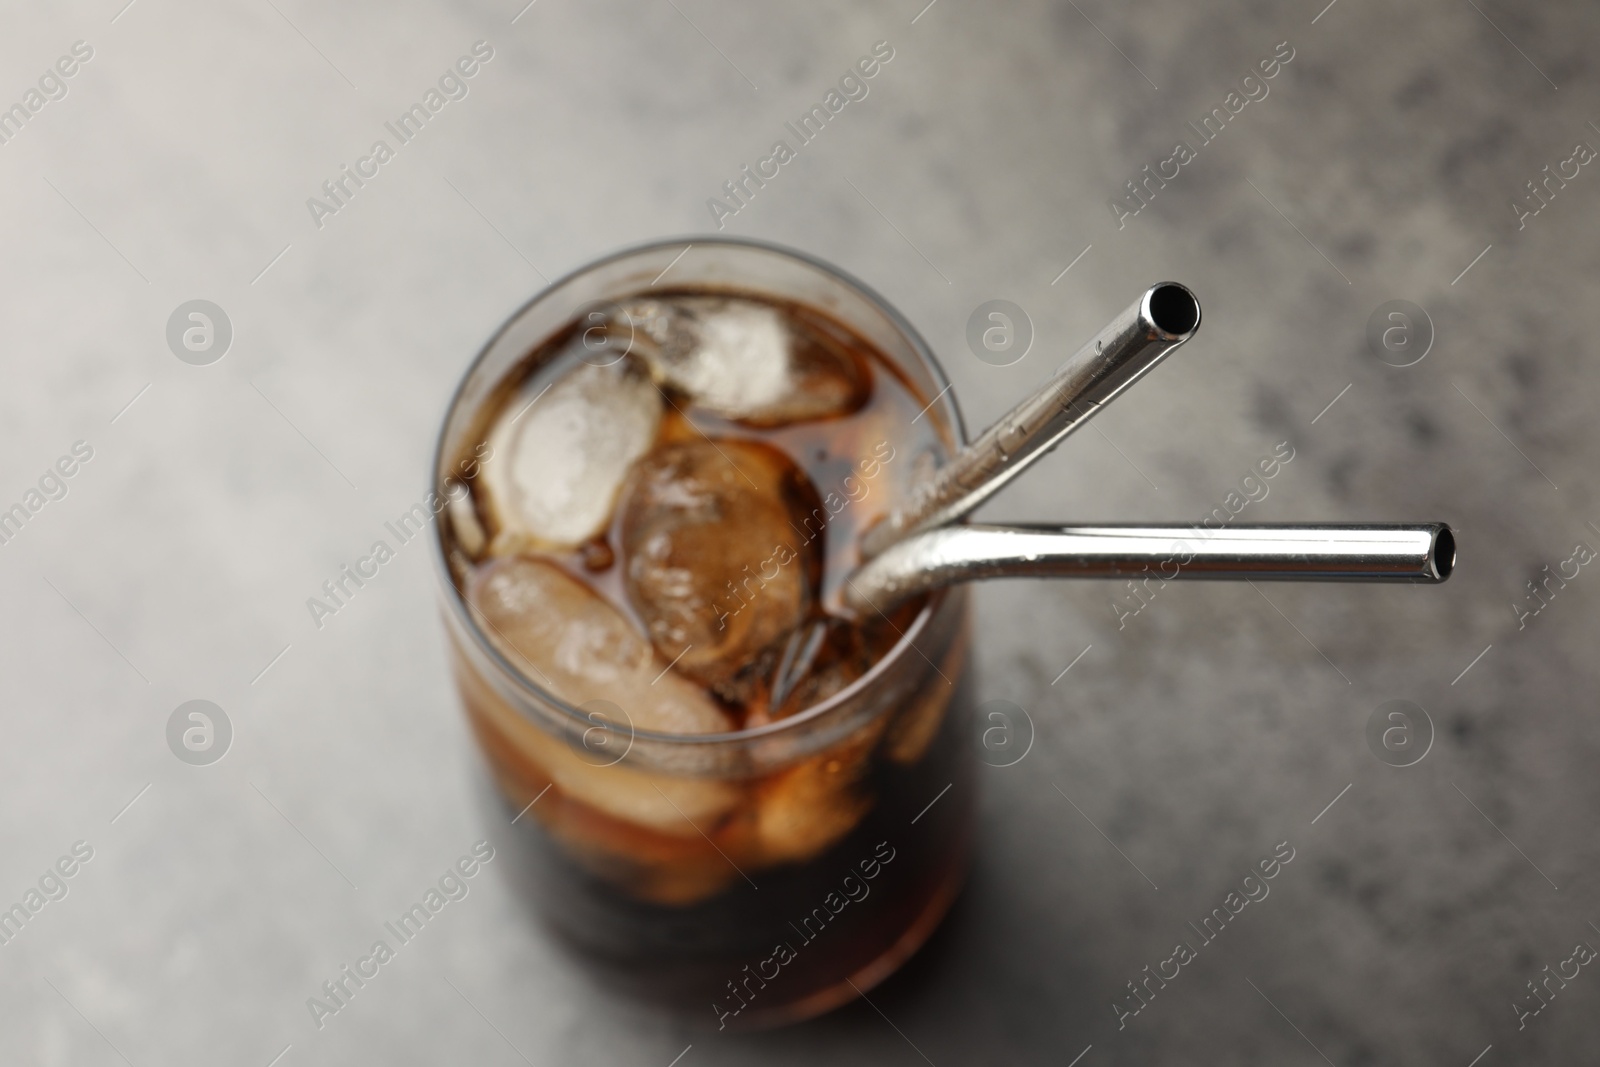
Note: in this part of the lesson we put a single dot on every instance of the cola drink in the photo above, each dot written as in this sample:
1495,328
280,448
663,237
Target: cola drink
729,795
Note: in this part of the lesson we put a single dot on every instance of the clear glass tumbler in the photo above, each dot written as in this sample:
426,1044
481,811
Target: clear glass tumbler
749,878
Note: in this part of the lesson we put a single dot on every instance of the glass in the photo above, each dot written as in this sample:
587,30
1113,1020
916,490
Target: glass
872,790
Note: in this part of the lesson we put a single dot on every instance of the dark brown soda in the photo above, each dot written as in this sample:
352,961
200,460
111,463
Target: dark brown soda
764,942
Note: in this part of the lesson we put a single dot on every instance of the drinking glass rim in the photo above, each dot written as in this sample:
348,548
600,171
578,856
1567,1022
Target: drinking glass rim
457,600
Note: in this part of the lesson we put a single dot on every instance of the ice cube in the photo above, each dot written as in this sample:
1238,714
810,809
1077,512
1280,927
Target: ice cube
651,853
813,804
714,561
743,359
574,643
916,725
464,524
566,639
559,458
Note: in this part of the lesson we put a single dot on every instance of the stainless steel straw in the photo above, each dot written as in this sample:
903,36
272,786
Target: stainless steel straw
918,549
1144,334
1419,553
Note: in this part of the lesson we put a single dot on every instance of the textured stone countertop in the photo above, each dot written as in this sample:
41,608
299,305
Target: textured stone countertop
1382,163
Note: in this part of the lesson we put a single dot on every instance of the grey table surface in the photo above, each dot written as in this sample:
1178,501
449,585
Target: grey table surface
1192,738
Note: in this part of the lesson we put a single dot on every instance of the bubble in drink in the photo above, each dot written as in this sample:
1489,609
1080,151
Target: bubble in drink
560,453
743,360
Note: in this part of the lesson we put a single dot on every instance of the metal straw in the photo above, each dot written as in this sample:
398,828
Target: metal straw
1164,317
1419,553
